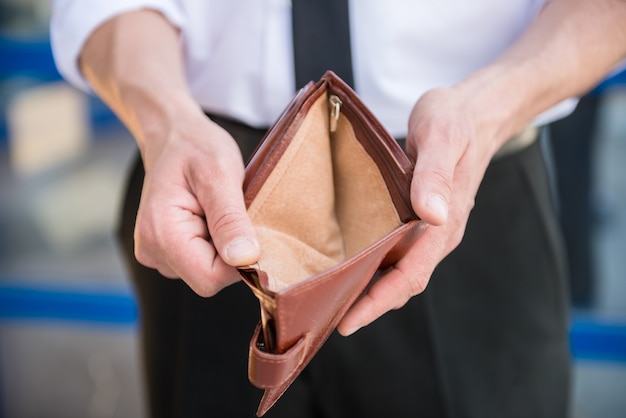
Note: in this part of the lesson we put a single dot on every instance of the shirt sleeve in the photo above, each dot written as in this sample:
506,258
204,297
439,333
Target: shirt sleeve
72,21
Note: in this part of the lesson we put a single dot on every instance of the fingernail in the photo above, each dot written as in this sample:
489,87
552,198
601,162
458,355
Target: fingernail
439,206
242,251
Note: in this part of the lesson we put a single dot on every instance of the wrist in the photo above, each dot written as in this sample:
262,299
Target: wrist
151,113
495,103
144,84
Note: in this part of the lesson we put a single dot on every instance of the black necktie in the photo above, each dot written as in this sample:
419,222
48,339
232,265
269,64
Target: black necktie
321,40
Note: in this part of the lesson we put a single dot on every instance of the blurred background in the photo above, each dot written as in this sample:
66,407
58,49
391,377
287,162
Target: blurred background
68,321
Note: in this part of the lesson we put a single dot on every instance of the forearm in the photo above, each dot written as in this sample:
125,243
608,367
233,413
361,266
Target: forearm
454,132
134,62
570,47
192,221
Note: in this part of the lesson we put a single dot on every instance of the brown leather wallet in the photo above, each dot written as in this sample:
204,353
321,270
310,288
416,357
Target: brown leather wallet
328,193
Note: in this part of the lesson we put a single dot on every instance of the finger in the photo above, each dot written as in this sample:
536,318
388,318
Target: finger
407,278
219,192
179,248
438,155
386,294
231,229
199,265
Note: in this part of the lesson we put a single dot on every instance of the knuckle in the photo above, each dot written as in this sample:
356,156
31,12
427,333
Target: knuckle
205,286
146,259
441,178
205,291
380,308
146,250
166,272
415,285
220,167
143,255
456,239
226,219
400,302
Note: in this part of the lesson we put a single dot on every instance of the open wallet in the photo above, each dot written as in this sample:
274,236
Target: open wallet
327,191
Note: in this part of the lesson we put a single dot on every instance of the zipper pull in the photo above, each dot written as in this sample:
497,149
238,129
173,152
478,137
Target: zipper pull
335,109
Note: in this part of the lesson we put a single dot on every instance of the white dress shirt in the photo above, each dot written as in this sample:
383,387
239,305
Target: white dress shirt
239,56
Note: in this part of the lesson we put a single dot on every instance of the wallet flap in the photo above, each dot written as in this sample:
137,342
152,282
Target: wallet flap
268,370
308,313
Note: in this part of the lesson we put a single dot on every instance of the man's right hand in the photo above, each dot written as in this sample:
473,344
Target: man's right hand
192,221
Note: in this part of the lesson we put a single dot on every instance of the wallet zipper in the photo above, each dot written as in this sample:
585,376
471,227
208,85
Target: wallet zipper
335,111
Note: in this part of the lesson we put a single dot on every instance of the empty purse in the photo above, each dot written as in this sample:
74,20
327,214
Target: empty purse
327,191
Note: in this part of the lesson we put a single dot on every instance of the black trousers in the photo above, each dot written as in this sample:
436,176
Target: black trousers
573,144
488,338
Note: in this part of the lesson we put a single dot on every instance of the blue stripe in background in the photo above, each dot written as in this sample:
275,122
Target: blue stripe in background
598,338
112,306
592,337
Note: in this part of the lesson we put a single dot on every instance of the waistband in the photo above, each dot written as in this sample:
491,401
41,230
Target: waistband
248,137
527,136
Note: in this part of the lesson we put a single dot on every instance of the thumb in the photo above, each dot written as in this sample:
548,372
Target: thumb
432,186
233,236
229,225
231,230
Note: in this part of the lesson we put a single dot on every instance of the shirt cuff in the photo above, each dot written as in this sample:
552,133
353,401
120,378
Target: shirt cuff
73,21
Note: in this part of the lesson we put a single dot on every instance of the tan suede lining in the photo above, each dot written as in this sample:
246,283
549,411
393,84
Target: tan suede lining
324,202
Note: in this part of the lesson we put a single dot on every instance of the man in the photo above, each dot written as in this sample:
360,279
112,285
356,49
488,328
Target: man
488,337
